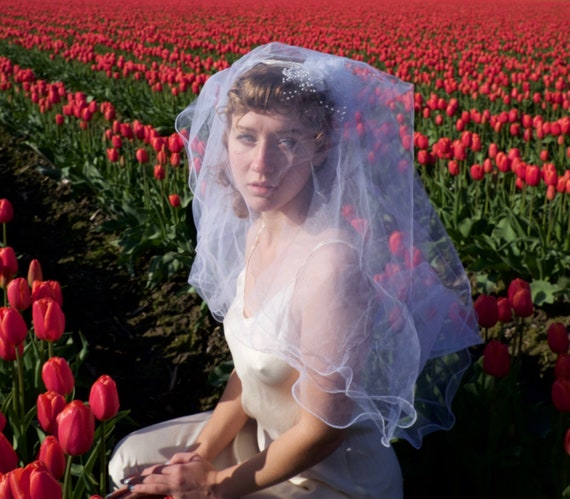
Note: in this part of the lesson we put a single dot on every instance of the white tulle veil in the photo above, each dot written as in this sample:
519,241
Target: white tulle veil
379,310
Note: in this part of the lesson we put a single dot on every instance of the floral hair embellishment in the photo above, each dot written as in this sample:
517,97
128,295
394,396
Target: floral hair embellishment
304,80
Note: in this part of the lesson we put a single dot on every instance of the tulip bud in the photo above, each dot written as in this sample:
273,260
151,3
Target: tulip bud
35,272
487,311
522,303
112,154
561,394
52,455
476,171
57,376
562,366
142,155
49,405
19,295
520,297
557,337
397,244
496,359
505,313
75,428
159,172
48,319
104,399
175,143
8,457
6,211
13,328
9,265
174,200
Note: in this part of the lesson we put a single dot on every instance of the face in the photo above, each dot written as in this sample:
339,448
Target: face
271,158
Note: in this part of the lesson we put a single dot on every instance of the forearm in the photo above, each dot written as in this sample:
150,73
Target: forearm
303,446
227,419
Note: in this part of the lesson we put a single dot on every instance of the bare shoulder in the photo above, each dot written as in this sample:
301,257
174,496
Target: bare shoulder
330,254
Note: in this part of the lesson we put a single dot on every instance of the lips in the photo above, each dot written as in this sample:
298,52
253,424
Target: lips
260,188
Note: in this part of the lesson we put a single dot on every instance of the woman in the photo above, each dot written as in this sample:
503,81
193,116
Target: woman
345,307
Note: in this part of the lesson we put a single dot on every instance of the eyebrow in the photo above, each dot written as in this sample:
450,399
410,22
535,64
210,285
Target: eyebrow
285,131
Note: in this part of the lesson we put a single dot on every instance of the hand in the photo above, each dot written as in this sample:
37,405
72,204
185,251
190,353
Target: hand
186,476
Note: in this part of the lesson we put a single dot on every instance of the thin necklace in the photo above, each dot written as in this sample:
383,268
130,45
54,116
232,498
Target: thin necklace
255,242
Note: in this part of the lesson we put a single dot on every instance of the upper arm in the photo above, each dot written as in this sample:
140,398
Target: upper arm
332,313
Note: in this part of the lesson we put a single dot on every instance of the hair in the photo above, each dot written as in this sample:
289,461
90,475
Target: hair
265,89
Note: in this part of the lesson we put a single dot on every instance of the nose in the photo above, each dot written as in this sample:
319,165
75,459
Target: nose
263,158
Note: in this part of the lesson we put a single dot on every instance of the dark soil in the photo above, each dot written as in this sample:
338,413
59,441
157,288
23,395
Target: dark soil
153,343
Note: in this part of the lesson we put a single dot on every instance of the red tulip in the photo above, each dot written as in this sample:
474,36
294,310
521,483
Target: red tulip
19,294
557,337
487,311
175,143
48,319
5,488
532,175
453,168
6,211
476,172
515,285
47,289
522,303
104,399
175,159
8,457
75,428
562,366
142,155
53,456
35,272
9,265
496,359
8,351
112,154
505,313
13,328
561,394
35,481
49,405
159,172
397,243
520,297
57,376
567,442
174,200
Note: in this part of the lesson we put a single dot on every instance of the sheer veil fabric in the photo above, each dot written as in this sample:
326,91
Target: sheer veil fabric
364,295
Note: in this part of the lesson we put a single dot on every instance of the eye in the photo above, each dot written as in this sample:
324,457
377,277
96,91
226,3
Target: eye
246,138
288,143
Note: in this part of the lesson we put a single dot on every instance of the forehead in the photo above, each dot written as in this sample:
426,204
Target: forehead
269,122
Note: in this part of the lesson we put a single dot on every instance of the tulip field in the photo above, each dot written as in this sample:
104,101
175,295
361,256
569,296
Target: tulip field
94,88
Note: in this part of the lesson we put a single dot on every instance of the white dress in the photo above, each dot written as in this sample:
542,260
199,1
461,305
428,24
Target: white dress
361,467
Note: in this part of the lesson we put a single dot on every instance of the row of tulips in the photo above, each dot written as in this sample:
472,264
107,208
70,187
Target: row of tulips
474,193
53,445
467,96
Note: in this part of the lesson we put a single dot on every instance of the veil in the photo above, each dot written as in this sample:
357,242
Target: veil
368,301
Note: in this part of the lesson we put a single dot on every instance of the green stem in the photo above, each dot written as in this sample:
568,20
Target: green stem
67,479
20,394
103,463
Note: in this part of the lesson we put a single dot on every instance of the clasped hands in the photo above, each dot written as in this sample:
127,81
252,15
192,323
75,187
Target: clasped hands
185,476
